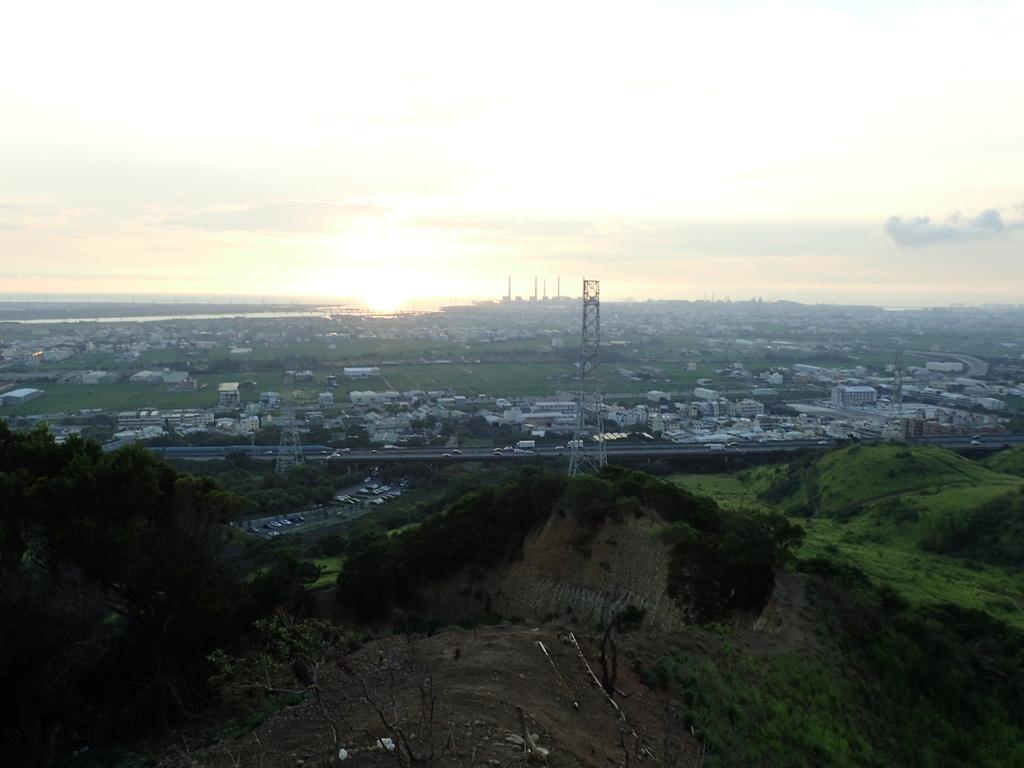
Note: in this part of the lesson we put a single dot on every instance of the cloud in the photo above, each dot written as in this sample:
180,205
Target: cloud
989,219
914,231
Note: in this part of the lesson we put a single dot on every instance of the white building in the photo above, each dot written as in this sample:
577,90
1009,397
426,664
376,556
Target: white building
19,396
854,395
747,408
250,422
101,377
361,373
229,395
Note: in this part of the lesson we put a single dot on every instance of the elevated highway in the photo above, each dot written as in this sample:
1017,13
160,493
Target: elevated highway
977,445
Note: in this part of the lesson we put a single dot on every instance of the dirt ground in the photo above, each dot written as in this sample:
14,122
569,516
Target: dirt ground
453,697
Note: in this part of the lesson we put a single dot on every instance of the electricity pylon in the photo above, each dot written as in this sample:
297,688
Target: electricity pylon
896,404
588,448
289,453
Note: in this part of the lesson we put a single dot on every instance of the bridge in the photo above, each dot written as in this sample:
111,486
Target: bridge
978,445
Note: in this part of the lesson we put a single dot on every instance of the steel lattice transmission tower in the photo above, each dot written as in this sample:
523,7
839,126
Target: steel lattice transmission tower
896,404
289,453
588,447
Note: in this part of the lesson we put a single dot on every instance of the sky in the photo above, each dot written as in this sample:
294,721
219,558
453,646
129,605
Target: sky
393,152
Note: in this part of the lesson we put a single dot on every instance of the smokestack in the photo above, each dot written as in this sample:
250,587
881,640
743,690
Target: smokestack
534,288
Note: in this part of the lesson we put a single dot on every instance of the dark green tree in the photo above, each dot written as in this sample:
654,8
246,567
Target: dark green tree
114,588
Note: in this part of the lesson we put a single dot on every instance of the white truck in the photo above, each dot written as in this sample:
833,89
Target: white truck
524,444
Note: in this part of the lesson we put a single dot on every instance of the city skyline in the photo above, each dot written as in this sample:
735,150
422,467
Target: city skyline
823,153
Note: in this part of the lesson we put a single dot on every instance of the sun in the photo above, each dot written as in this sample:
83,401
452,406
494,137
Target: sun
383,298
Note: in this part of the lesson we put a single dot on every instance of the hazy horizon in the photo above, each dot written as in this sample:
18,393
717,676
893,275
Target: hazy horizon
425,303
820,152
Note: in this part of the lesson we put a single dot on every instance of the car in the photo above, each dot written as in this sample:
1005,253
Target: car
823,442
267,526
975,442
274,533
251,529
457,452
445,455
373,451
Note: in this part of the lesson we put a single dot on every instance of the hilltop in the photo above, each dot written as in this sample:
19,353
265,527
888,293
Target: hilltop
589,558
842,483
630,619
819,665
926,521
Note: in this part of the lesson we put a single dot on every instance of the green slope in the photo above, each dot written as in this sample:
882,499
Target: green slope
1009,462
850,477
931,524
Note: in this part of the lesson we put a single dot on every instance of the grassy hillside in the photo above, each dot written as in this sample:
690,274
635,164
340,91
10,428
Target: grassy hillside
932,525
883,684
842,482
1009,462
852,476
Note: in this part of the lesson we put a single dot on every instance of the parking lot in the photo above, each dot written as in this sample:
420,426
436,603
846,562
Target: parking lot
351,502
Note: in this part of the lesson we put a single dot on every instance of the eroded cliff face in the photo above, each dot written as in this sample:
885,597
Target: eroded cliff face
570,572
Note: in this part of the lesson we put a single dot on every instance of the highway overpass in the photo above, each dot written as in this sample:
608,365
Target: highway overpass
970,445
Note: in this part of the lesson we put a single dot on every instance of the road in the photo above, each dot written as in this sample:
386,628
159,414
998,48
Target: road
975,367
368,457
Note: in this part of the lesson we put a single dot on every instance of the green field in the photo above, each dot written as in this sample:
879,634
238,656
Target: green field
491,379
124,396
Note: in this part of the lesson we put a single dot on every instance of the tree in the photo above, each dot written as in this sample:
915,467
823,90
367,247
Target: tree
113,590
729,565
